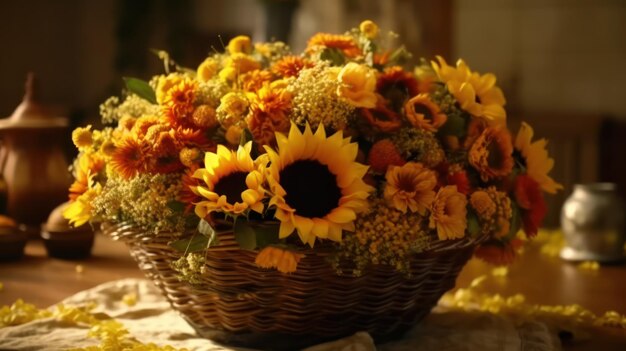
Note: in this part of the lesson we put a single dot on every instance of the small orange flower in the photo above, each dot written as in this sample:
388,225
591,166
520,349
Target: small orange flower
254,80
492,154
178,102
269,109
186,194
204,117
381,117
423,113
383,154
130,157
290,66
498,253
284,261
448,213
345,43
397,85
410,186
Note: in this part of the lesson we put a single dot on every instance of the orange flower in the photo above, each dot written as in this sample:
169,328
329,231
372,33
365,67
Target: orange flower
383,154
492,154
204,117
290,66
498,253
254,80
284,261
423,113
142,125
381,117
186,195
165,154
194,137
396,85
448,213
86,166
345,43
178,101
268,114
130,157
530,198
459,178
410,186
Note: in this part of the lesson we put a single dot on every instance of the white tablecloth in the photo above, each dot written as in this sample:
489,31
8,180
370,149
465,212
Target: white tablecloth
152,320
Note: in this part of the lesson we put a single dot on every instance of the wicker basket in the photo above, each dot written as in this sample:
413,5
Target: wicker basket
245,305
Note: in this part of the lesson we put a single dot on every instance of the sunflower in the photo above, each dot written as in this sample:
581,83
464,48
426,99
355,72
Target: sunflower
410,185
423,113
492,154
79,211
538,163
86,166
345,43
285,261
448,213
475,93
317,186
231,182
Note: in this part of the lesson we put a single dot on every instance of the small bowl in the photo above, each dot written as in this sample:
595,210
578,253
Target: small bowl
73,243
12,242
64,241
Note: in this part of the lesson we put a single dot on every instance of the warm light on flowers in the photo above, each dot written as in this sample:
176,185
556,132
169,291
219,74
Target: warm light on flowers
475,93
410,186
357,84
492,154
317,187
230,182
285,261
448,213
423,113
343,144
538,163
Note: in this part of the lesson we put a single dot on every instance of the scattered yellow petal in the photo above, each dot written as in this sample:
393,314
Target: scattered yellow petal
589,265
79,268
130,299
500,271
477,281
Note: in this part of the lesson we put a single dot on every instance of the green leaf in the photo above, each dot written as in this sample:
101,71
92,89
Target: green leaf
140,88
197,242
245,235
207,230
335,56
266,234
473,226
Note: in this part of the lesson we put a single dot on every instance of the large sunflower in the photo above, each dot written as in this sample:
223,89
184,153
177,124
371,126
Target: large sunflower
317,186
475,93
538,163
232,183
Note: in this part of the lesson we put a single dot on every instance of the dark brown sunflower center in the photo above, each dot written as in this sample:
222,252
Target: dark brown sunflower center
423,110
232,186
311,188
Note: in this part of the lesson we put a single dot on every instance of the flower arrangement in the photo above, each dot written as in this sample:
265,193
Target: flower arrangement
341,147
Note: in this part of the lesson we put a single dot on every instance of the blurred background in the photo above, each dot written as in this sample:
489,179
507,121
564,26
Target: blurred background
561,63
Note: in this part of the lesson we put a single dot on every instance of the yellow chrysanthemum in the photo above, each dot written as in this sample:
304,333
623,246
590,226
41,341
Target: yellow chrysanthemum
237,64
317,186
207,69
476,94
79,211
369,29
448,213
232,109
164,84
231,182
239,44
410,185
357,85
538,163
284,261
82,137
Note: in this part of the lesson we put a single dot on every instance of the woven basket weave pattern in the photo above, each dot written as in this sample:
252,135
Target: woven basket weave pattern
240,298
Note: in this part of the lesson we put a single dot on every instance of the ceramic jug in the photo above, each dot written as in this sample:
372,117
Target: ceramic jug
32,161
593,220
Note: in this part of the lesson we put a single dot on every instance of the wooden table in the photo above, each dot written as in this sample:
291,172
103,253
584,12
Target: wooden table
543,280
